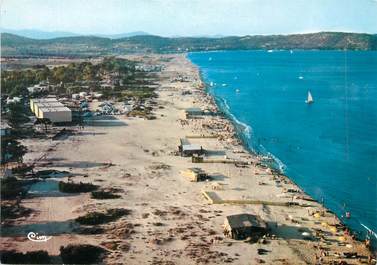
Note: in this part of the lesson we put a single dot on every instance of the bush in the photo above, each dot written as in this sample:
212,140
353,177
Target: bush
49,173
89,230
103,195
93,218
81,254
11,188
12,211
33,257
151,117
22,170
96,218
70,187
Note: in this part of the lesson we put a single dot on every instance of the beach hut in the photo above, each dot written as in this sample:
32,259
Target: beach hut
187,149
241,226
195,174
192,112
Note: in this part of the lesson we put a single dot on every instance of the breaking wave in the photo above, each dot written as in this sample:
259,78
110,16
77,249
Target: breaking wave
369,230
278,162
246,129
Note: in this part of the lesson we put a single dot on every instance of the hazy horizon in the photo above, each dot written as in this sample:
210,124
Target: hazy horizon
190,18
33,32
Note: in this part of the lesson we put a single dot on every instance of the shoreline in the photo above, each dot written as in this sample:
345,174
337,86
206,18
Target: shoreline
171,222
239,132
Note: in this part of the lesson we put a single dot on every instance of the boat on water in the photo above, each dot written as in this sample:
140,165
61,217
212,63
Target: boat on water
309,100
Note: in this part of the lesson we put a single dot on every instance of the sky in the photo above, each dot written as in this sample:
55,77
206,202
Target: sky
191,17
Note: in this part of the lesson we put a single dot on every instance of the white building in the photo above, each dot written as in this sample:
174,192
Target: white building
55,114
13,100
50,108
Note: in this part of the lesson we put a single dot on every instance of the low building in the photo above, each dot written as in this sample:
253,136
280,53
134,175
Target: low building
13,100
38,88
55,114
192,112
242,226
50,108
187,149
195,174
40,108
35,102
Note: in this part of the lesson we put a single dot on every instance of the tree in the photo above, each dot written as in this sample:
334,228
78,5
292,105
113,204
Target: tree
16,115
43,74
45,122
11,150
88,72
19,90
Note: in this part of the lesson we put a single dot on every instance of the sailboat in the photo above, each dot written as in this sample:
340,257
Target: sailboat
309,100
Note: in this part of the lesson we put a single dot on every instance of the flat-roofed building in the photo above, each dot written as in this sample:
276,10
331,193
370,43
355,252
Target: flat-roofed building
195,174
193,112
50,108
241,226
187,149
34,102
55,114
45,105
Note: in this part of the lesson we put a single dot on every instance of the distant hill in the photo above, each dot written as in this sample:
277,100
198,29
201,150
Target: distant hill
40,34
14,45
122,35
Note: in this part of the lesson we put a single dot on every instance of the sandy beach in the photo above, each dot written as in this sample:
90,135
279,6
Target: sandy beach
171,219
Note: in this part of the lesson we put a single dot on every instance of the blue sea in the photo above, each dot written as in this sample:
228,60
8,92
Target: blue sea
329,148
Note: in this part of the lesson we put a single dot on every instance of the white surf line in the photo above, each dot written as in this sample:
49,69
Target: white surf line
369,230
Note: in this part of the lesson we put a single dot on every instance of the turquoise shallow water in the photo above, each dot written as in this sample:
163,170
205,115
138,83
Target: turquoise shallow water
328,148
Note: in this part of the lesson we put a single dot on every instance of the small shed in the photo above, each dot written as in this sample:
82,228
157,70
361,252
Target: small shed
195,174
241,226
191,112
188,149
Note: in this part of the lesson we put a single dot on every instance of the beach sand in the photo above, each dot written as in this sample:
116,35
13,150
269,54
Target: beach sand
171,222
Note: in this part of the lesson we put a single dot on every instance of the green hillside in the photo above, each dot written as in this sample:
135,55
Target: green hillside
14,45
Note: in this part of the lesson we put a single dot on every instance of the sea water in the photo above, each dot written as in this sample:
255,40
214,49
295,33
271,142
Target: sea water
329,148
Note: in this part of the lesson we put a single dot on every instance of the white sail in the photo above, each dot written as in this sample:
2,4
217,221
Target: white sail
310,98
